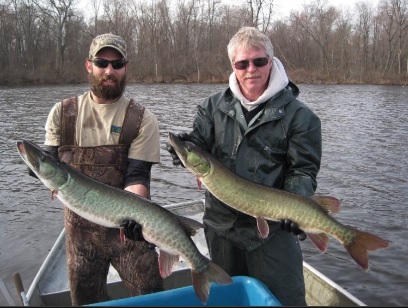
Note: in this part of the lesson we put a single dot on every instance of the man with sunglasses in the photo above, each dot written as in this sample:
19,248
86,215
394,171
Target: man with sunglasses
115,140
258,129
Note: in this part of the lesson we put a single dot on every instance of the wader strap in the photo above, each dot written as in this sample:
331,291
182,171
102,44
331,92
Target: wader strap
130,127
131,123
68,120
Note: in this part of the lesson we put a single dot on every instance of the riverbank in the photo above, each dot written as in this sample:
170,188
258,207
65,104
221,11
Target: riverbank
299,76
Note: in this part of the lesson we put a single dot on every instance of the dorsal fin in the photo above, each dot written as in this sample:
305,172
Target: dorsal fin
190,225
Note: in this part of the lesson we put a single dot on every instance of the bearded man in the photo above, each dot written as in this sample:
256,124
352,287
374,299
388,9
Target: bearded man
114,140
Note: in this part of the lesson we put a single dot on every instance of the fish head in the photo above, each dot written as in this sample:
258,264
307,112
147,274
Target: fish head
47,168
194,158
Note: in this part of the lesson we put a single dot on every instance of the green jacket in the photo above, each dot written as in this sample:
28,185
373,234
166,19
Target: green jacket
281,148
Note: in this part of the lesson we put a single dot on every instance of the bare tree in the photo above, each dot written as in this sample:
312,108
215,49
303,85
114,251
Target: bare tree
55,15
391,31
6,40
96,7
342,45
318,20
171,40
261,13
364,19
400,10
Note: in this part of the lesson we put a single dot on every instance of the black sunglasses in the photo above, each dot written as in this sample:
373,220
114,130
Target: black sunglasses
103,63
258,62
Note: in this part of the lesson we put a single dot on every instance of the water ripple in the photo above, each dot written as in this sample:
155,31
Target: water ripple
364,164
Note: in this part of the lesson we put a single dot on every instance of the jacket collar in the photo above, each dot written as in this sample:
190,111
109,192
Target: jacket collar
275,106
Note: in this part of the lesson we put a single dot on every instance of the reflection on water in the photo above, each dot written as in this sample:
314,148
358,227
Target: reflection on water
364,164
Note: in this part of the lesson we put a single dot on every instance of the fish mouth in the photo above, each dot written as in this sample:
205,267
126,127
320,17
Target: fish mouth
178,145
22,150
193,157
30,153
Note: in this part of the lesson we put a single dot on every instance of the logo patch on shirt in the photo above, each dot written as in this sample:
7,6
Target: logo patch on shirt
116,129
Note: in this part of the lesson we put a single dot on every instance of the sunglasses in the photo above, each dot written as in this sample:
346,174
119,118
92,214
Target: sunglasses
103,63
258,62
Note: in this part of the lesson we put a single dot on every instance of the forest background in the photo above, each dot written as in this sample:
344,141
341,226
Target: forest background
47,41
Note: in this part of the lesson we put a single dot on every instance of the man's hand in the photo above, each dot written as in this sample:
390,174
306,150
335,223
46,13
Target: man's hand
290,226
176,160
133,231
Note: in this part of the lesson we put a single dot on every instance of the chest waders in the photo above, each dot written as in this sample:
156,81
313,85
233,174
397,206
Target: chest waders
91,248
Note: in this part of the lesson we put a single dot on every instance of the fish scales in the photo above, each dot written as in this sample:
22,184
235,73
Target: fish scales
267,203
312,217
110,206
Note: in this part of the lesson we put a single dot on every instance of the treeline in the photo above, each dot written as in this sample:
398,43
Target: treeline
47,41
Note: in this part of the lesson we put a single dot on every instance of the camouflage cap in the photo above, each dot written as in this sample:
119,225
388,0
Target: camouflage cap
107,40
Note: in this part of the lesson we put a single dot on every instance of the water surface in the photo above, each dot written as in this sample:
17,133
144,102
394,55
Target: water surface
364,164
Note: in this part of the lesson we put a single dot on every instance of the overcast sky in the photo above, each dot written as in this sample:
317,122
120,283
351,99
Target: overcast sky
282,7
285,6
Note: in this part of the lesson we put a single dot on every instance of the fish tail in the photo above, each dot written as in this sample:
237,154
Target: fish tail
202,280
361,244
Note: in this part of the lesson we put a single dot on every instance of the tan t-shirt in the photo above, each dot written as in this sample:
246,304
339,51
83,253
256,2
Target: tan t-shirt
100,124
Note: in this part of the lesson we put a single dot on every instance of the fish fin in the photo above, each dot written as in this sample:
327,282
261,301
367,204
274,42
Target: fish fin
54,194
198,183
122,235
190,225
166,263
202,280
363,242
263,227
330,204
320,240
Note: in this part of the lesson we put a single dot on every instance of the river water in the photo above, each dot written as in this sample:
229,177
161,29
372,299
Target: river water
364,164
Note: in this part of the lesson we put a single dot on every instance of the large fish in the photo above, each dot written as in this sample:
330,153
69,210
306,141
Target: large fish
266,203
109,207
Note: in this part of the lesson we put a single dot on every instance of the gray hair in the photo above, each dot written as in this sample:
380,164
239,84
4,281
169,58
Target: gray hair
249,37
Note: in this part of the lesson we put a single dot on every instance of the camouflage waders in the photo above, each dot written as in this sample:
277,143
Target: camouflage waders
91,248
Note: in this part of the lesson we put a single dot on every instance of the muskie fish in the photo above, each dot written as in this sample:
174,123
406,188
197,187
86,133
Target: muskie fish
109,207
266,203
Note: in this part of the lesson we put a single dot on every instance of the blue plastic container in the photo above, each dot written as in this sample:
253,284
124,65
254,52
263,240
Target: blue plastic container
244,291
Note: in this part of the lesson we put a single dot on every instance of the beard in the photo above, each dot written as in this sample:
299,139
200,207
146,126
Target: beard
107,92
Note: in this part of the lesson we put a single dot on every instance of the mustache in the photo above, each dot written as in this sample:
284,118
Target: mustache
107,92
252,76
108,78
